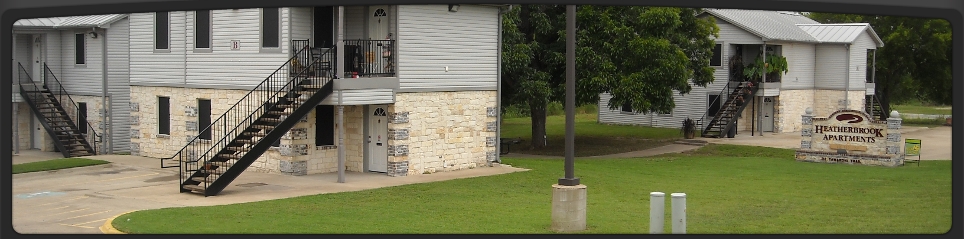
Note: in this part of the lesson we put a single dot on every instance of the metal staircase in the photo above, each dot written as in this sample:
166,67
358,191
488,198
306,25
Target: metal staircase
873,107
737,98
53,107
247,129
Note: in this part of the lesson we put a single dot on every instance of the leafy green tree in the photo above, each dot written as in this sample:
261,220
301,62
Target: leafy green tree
915,62
640,55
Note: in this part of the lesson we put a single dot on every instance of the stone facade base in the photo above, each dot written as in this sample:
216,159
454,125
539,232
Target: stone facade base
849,158
398,169
568,208
297,168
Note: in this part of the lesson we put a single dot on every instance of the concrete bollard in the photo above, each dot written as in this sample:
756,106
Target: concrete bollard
679,213
657,205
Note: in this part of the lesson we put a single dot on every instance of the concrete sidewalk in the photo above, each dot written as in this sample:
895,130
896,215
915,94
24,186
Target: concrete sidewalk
665,149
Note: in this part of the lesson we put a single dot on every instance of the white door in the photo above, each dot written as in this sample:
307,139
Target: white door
767,123
37,133
377,30
38,62
377,139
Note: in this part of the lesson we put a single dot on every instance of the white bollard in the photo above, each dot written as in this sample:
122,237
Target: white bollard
657,205
679,213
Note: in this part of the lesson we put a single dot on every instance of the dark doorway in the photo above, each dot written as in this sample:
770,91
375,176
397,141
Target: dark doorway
324,27
82,117
204,118
712,105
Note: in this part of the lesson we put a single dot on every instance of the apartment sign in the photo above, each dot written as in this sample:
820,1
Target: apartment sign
851,137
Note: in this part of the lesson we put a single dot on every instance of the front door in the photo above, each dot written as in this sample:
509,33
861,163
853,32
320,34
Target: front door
767,124
38,60
324,27
37,133
378,22
377,138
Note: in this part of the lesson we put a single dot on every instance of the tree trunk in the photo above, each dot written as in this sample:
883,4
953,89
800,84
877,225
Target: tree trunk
538,116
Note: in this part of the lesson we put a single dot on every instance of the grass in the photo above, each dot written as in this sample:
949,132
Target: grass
920,108
55,164
939,121
730,189
592,138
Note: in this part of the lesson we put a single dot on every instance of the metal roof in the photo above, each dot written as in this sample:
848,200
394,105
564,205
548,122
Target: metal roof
39,22
69,22
770,25
840,33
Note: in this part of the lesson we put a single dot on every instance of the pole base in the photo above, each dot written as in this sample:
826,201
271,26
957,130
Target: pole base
569,181
568,208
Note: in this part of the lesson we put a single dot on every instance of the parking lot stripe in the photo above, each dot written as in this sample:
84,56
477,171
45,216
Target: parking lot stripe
81,197
68,212
84,215
82,223
75,226
57,208
105,180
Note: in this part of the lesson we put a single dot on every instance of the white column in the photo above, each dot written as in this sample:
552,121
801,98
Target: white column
679,213
341,143
657,212
340,43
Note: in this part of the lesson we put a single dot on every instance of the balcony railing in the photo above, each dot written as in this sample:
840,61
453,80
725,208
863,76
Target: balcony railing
369,58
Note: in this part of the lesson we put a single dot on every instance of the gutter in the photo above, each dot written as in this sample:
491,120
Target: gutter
105,136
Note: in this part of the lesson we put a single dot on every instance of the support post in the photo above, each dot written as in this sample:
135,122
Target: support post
341,143
679,213
340,44
570,179
657,206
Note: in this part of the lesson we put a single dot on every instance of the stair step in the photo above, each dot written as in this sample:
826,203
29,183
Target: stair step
304,92
262,127
275,112
255,134
201,179
246,141
229,156
226,164
215,172
272,120
194,187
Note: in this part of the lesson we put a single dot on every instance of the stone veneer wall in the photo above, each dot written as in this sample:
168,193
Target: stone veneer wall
441,131
94,116
298,154
791,104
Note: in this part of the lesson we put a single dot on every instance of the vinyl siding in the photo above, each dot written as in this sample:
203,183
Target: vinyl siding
736,35
53,54
616,116
431,38
858,60
354,22
800,61
146,66
301,23
23,55
118,84
361,97
84,79
831,61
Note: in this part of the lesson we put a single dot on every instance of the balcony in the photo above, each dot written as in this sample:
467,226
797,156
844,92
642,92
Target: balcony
369,58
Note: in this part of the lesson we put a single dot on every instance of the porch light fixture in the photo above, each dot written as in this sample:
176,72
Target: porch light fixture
92,34
453,7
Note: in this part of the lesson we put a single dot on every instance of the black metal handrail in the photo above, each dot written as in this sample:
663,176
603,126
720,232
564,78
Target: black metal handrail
723,93
233,124
29,88
370,58
727,93
239,113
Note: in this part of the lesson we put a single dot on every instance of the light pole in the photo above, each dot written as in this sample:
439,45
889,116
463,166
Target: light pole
569,196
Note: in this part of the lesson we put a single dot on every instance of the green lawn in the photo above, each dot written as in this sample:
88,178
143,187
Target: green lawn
917,108
592,138
55,164
766,192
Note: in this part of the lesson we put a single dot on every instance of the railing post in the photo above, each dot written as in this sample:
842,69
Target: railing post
679,213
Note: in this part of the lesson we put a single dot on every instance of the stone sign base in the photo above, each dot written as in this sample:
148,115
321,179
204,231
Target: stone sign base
849,158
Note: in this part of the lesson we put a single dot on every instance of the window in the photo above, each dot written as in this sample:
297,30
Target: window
202,29
82,117
324,125
717,59
204,118
162,28
163,115
627,108
270,28
80,48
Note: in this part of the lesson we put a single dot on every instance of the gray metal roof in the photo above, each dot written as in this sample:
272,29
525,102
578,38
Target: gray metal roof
39,22
770,25
840,33
69,22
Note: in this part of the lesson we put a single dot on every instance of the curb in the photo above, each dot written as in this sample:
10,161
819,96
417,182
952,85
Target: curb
107,228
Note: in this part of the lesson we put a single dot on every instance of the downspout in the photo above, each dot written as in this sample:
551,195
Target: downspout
105,111
498,88
759,86
847,80
340,67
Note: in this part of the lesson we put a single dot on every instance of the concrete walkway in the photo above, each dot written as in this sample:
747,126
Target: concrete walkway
665,149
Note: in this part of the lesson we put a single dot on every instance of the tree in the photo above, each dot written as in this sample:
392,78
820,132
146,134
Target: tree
640,55
915,61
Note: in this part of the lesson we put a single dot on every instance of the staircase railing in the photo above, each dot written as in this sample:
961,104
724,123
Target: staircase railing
71,106
240,115
723,95
31,92
370,58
